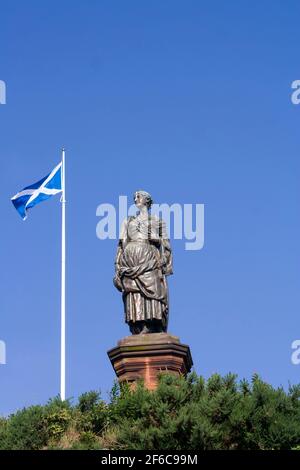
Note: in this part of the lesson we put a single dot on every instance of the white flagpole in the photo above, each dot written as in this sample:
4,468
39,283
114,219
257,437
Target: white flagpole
63,284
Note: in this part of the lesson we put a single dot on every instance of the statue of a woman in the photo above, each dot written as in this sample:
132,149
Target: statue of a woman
143,261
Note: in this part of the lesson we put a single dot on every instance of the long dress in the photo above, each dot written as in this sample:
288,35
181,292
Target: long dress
143,261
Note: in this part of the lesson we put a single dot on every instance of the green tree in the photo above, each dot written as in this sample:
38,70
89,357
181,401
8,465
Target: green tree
181,414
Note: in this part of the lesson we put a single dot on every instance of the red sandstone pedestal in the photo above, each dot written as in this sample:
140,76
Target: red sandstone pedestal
145,356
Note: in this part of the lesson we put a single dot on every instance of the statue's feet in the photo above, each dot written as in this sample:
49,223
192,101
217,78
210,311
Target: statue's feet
145,330
139,327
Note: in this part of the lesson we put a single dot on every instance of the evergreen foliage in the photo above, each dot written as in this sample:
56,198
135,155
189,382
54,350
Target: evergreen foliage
182,414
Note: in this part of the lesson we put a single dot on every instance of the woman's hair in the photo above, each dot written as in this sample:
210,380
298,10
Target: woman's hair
147,196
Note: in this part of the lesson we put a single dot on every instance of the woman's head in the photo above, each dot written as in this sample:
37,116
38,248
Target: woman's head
142,198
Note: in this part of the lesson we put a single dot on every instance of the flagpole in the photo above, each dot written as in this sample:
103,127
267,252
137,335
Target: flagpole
63,284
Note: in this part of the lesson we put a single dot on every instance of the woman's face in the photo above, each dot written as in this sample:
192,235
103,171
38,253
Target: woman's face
139,200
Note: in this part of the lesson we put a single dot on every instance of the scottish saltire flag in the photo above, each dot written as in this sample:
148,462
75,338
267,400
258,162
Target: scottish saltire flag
38,192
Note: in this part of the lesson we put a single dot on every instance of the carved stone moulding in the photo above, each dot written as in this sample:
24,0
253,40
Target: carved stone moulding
145,356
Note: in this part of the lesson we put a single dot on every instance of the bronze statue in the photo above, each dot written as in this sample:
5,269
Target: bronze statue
144,259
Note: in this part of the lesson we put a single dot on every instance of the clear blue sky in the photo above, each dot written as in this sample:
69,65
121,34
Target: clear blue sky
190,101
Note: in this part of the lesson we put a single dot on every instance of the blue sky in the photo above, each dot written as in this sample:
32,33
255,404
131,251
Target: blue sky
189,101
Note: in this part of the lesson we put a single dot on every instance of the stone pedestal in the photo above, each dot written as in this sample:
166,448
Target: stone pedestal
145,356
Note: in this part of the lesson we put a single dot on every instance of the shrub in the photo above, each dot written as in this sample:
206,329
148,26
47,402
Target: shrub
182,414
25,430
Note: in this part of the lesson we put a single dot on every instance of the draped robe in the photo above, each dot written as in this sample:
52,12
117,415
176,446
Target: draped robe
143,261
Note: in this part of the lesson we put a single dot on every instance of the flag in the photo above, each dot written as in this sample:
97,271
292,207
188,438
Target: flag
38,192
